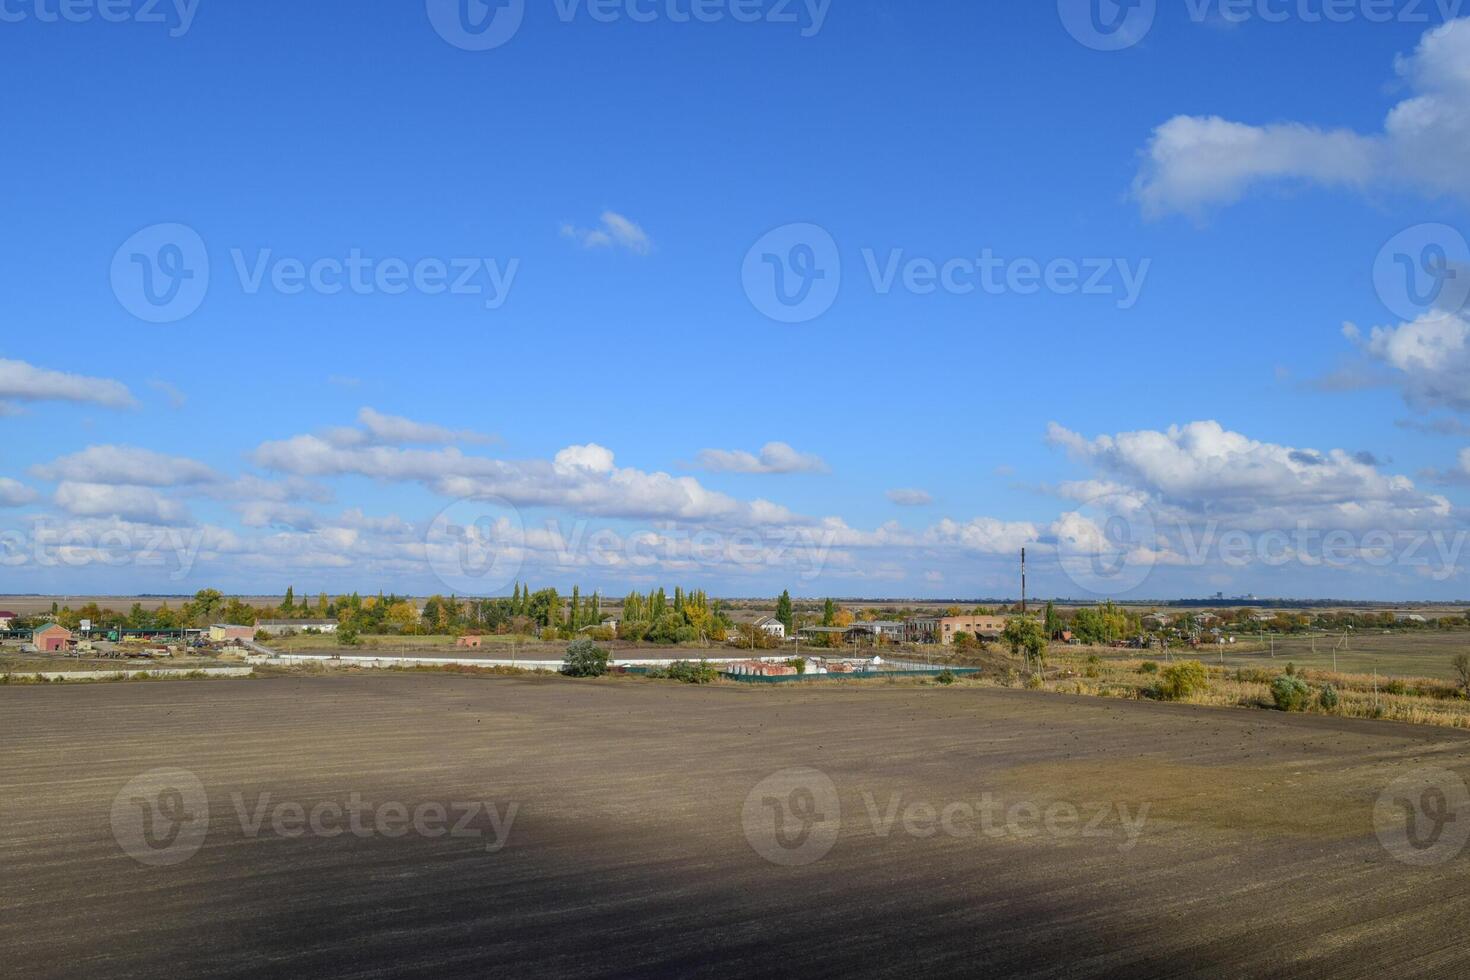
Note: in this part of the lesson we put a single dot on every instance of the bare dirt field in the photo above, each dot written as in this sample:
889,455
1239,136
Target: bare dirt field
642,833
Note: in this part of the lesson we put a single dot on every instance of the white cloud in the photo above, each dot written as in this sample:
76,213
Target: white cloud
142,505
911,498
13,493
176,398
1431,356
985,535
1195,162
23,382
774,458
1202,470
378,429
615,231
584,479
127,465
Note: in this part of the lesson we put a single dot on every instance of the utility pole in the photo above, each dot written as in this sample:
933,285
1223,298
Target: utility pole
1023,583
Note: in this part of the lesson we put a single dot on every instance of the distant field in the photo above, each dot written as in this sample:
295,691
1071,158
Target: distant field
1423,654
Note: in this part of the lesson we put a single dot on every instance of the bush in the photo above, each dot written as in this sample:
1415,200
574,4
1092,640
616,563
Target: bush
1291,693
262,636
1033,683
686,672
1183,680
585,659
946,677
347,637
1148,667
1328,698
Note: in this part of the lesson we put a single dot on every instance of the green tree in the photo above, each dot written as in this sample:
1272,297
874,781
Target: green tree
1053,624
784,612
1025,636
585,659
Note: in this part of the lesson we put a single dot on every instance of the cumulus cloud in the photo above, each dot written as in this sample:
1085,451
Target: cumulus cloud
774,458
118,465
1193,163
22,382
13,493
614,231
1202,470
138,504
985,535
585,479
911,498
1429,358
378,429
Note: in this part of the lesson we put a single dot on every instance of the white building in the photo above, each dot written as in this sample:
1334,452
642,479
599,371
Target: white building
771,627
284,627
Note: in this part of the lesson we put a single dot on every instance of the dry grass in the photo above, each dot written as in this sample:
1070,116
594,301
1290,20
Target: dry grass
1417,700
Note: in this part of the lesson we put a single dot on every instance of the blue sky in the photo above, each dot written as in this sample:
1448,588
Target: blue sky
616,176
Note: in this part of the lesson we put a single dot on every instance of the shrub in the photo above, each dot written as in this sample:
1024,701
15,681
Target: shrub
1182,680
686,672
1291,693
1461,663
262,636
1009,677
1033,683
585,659
798,664
1328,698
1148,667
347,637
946,677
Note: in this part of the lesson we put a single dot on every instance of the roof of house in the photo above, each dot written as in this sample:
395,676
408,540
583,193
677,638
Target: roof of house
297,622
8,615
52,628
